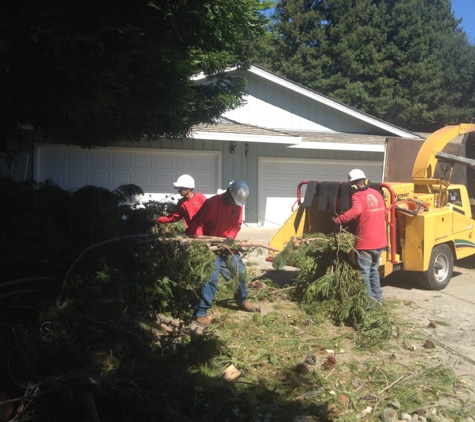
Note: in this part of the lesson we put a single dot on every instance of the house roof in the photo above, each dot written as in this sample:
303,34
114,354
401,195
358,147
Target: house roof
228,130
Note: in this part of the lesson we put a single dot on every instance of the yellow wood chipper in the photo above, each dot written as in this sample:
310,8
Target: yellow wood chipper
429,221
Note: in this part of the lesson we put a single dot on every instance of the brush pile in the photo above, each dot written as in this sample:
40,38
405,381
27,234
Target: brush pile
91,304
330,287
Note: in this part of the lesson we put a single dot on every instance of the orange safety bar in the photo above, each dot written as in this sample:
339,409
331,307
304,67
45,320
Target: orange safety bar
299,193
392,223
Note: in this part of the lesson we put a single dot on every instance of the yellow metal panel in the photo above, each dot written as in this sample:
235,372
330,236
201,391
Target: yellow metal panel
413,249
424,166
293,226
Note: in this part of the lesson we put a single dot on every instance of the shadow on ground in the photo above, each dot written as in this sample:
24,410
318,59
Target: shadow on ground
281,278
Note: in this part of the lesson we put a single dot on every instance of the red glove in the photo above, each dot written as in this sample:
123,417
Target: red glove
161,220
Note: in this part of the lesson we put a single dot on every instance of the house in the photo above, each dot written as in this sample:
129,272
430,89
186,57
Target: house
285,133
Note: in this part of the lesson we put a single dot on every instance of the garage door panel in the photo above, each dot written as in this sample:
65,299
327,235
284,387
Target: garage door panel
54,157
99,159
164,162
278,179
184,163
203,163
121,160
77,159
154,170
52,174
143,180
97,178
121,179
76,178
142,161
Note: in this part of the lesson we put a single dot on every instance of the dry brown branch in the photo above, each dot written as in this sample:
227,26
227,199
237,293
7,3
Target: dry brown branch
393,383
281,290
26,280
330,373
256,244
244,245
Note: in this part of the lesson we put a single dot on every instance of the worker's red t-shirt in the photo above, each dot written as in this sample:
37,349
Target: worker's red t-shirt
369,211
217,219
186,210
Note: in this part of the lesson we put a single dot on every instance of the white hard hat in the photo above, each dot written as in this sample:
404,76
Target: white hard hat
185,181
356,174
239,191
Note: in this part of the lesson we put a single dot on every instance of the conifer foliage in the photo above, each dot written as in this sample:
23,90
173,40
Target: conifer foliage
82,297
328,286
405,61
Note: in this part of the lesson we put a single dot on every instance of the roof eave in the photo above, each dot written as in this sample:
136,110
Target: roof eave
339,147
239,137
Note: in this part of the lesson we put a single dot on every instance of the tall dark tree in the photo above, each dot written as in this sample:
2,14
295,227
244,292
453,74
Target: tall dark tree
94,72
406,61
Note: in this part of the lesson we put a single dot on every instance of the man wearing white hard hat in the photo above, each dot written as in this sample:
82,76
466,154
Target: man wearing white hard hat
369,212
221,216
188,205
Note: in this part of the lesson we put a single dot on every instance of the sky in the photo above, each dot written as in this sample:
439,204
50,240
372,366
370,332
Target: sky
466,9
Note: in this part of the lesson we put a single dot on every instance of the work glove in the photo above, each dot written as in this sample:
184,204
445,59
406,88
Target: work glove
336,225
228,242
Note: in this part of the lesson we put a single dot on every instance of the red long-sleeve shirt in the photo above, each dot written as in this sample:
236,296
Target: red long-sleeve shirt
369,211
217,219
186,210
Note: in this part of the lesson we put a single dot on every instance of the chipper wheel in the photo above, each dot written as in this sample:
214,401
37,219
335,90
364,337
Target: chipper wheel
441,265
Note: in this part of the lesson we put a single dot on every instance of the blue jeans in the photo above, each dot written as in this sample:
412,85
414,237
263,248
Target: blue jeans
208,291
368,261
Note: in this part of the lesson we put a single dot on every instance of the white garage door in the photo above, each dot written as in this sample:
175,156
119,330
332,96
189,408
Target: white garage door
279,177
154,170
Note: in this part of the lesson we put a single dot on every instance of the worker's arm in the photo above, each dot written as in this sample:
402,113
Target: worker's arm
353,213
177,215
198,220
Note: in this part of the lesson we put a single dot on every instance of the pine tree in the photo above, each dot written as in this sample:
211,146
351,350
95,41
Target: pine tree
405,61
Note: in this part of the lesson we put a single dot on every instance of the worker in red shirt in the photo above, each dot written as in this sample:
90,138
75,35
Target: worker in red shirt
188,205
369,212
221,216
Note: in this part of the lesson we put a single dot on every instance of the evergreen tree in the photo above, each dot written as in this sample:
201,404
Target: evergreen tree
95,72
405,61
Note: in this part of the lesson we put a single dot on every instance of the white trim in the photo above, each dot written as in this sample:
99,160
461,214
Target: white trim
329,102
241,137
339,147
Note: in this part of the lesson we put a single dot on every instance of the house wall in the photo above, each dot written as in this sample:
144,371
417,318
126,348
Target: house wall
238,165
273,106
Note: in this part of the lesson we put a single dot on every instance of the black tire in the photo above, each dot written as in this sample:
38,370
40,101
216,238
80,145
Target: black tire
440,270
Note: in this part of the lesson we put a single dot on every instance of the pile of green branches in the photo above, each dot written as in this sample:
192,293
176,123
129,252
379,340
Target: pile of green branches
82,297
330,286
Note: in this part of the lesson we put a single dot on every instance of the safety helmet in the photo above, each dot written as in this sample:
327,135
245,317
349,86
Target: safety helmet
185,181
356,174
239,191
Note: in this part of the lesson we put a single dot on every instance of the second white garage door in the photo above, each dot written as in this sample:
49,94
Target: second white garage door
278,179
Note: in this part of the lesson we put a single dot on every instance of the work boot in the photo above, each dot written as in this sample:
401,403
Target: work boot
248,307
203,320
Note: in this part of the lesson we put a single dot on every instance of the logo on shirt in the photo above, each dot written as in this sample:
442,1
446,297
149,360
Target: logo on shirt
371,201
